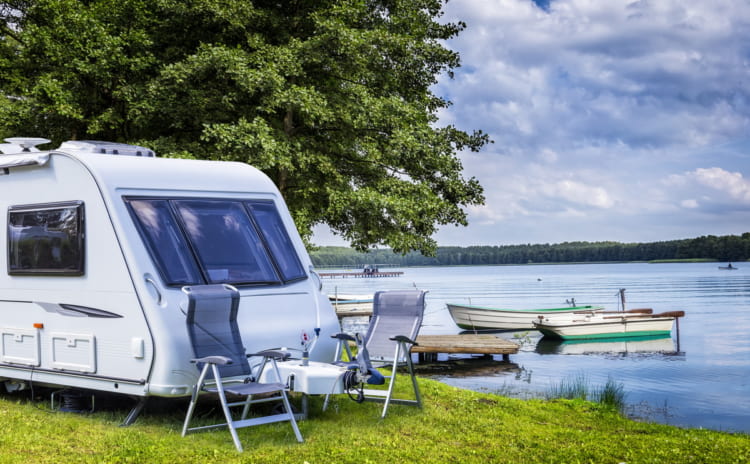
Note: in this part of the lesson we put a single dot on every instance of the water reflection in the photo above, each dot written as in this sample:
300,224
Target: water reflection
622,346
483,373
467,366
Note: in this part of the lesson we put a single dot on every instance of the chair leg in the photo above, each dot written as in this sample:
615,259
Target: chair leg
194,399
401,348
289,411
392,383
414,383
225,408
189,414
246,407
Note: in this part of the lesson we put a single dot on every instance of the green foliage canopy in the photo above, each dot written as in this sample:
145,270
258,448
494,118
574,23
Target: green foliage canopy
331,98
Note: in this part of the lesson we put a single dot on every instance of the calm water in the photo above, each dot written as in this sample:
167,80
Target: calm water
702,381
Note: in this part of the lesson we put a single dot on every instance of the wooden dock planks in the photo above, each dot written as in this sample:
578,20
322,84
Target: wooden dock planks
463,343
353,312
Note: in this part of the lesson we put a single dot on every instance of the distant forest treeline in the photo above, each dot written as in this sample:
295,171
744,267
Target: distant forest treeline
725,248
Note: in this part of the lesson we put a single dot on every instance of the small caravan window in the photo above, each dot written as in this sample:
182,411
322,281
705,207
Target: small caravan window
194,241
46,239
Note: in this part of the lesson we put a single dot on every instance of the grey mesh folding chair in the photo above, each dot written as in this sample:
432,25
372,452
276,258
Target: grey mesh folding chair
223,363
396,319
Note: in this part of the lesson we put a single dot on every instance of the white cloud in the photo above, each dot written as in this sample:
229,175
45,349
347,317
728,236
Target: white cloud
646,73
731,184
593,106
583,194
689,204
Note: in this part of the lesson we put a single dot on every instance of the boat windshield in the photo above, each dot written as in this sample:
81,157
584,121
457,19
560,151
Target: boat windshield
195,241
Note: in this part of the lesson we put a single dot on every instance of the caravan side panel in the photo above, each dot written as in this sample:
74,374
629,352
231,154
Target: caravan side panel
83,328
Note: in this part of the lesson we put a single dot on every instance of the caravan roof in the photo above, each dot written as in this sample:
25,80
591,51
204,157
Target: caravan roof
147,172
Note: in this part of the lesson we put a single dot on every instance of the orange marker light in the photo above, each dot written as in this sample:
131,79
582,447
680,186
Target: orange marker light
38,325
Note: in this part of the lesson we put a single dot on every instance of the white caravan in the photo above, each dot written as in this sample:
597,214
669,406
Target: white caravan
100,239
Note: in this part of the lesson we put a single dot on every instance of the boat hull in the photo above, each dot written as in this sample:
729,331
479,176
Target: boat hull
598,327
485,318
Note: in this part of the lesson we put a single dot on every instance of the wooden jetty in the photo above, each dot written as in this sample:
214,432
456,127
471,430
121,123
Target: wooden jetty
428,346
353,312
344,275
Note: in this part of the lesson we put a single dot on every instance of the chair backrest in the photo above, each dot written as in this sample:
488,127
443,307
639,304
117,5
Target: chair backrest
394,312
212,326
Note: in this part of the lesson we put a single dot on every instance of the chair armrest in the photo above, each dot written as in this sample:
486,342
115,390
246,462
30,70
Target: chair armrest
274,354
219,360
404,339
343,336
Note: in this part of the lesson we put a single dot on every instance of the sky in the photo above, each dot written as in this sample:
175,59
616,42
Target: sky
614,120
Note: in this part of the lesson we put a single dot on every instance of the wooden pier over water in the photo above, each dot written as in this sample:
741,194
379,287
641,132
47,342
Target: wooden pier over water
361,274
359,310
428,346
353,312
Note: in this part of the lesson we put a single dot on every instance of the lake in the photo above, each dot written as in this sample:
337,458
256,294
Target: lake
700,380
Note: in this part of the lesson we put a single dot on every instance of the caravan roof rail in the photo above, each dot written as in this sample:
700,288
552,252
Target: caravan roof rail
107,148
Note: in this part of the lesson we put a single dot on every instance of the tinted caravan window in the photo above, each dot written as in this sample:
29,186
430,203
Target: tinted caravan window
226,242
269,222
165,241
46,239
197,241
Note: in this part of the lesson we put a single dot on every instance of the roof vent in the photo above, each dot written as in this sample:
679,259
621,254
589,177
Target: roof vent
106,148
21,145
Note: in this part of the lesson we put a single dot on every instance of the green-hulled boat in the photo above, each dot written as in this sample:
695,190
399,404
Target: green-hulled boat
601,326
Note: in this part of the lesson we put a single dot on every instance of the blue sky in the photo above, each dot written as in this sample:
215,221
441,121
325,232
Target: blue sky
612,120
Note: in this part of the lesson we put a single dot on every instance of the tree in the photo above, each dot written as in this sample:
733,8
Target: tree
331,98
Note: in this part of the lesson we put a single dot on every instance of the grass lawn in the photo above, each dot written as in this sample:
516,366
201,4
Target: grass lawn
455,426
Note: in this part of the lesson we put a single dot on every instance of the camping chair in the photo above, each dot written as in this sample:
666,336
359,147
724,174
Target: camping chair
396,319
223,363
